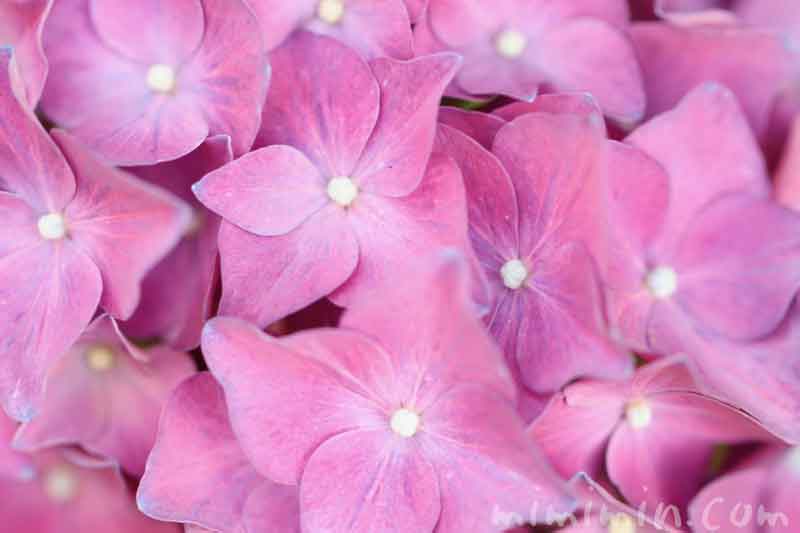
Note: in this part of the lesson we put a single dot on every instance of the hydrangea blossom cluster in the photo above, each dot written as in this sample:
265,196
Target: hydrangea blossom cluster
400,266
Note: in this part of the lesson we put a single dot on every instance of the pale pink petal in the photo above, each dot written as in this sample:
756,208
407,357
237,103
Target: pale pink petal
266,278
311,109
197,472
268,192
272,508
21,25
124,224
368,481
284,403
482,127
711,510
394,160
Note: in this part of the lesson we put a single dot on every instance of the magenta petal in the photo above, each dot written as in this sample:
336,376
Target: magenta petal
394,232
266,278
741,258
311,109
167,33
369,481
268,192
570,103
49,293
124,224
712,508
617,87
283,402
394,160
92,407
481,127
44,181
197,472
21,25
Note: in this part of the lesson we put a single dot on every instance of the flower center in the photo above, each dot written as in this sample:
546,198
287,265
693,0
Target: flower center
52,226
511,43
405,422
514,273
161,78
330,11
621,523
60,484
662,282
100,358
639,414
342,190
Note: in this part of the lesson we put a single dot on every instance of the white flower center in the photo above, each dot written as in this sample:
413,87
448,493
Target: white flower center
100,358
60,484
639,414
52,226
511,43
405,422
662,281
161,78
342,190
330,11
514,273
621,523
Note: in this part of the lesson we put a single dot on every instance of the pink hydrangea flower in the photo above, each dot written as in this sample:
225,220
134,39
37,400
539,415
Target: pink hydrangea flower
701,248
61,496
375,28
409,427
642,433
758,496
105,396
518,47
21,24
535,216
198,474
75,233
178,294
13,463
340,201
756,65
153,90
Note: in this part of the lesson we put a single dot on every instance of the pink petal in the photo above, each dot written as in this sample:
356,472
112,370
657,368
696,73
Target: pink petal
617,87
703,166
557,104
265,202
445,322
230,73
30,164
197,472
283,400
374,28
482,127
92,408
13,464
574,429
486,462
49,292
187,277
394,232
394,160
367,481
21,26
787,176
754,64
311,109
125,225
278,19
266,278
741,258
712,508
167,33
272,507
